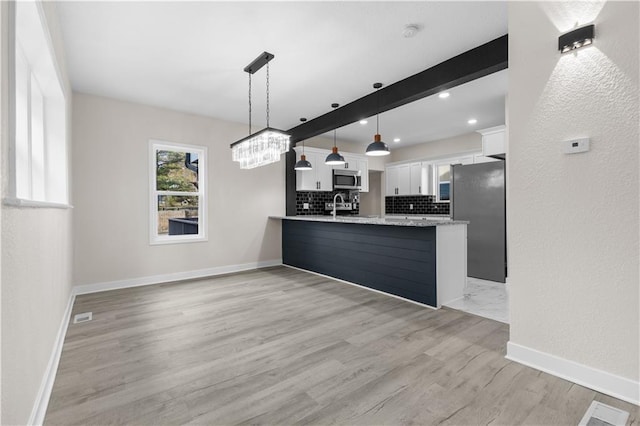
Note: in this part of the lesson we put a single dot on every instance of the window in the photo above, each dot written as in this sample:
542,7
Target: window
39,141
443,178
177,193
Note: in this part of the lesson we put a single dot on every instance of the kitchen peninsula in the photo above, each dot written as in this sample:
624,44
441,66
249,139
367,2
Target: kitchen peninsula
423,260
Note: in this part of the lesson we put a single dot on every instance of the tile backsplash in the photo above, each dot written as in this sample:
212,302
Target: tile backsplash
317,199
422,204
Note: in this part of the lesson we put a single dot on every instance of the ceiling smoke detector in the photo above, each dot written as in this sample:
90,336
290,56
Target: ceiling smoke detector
410,30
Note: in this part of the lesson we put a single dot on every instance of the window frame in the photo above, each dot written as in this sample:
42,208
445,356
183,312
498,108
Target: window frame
437,182
52,181
202,235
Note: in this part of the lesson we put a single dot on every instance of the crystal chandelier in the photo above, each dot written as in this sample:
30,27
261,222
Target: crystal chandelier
266,146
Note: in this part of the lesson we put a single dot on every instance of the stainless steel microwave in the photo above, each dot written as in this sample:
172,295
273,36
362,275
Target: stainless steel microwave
346,179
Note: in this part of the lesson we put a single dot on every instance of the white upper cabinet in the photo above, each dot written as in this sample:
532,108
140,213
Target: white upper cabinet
398,179
494,141
409,179
350,162
363,166
423,178
320,178
404,179
416,181
391,181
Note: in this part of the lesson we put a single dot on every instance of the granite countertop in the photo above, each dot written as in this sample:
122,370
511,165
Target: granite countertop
364,220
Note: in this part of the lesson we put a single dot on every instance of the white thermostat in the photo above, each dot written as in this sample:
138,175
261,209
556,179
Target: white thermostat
575,146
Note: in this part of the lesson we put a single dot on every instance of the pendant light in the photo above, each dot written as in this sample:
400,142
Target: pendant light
334,159
377,147
266,146
303,164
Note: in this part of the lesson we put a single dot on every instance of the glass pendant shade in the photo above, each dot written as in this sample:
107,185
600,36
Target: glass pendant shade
261,148
334,159
303,164
377,148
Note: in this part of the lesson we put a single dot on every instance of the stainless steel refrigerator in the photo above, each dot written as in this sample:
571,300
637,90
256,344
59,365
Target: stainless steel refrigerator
478,195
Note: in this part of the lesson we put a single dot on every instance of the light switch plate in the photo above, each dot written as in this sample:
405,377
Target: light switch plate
575,146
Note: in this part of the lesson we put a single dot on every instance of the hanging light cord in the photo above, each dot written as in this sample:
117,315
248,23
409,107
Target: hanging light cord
267,94
334,137
377,111
249,103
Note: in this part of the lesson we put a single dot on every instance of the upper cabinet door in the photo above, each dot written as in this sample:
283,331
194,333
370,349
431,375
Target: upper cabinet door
417,186
427,179
363,166
350,163
391,178
404,179
324,174
306,179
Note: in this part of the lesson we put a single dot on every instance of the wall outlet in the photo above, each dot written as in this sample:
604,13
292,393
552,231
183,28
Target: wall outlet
410,206
305,206
575,146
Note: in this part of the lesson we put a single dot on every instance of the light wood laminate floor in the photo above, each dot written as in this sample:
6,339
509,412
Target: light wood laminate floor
280,346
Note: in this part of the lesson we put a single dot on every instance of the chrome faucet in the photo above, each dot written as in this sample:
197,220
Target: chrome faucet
334,204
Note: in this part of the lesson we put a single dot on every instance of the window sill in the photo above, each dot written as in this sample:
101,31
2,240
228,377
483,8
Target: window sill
178,239
21,202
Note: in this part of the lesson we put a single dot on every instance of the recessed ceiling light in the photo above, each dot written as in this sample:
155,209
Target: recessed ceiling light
396,140
444,95
472,121
363,121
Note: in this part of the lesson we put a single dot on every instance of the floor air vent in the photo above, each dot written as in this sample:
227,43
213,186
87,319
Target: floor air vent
600,414
83,317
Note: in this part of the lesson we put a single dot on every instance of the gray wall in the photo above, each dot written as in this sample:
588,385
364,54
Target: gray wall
371,202
110,160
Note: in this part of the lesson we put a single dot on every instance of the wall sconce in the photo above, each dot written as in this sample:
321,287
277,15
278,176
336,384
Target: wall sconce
576,39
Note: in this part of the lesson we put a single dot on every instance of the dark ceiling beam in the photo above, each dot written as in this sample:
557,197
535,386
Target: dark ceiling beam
470,65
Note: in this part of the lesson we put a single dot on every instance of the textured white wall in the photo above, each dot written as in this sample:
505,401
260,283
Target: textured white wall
110,165
36,269
573,219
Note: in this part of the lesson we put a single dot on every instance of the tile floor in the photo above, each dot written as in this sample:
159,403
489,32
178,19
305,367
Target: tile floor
487,299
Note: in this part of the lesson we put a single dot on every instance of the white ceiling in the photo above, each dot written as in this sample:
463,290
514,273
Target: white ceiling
433,118
189,56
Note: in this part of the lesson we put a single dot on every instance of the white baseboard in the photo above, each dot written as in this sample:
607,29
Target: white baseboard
44,393
176,276
46,386
592,378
